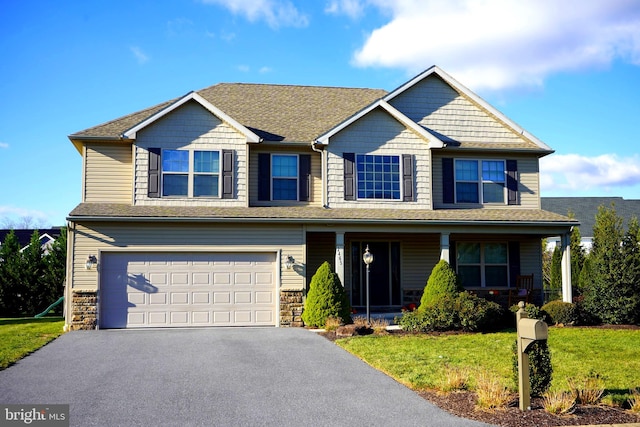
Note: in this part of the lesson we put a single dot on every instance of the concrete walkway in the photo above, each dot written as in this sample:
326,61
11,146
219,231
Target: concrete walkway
214,376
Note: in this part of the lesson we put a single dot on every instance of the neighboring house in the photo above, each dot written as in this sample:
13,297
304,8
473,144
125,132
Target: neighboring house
216,208
47,237
585,209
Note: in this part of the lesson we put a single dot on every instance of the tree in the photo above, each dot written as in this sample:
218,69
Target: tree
577,255
556,272
11,289
610,295
326,298
630,283
55,263
32,275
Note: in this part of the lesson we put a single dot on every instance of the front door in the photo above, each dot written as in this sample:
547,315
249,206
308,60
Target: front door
384,274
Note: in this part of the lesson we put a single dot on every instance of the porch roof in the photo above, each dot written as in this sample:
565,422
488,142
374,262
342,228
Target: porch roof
313,214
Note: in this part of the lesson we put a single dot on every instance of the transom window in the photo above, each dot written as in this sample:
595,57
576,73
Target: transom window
189,173
284,175
482,264
480,181
378,177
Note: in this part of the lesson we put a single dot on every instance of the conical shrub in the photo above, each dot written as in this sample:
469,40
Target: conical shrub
442,282
326,298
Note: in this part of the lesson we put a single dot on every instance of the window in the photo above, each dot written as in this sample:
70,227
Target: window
480,181
378,177
190,173
482,264
284,173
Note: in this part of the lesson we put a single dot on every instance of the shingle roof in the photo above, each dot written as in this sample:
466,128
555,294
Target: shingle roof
274,112
586,208
319,214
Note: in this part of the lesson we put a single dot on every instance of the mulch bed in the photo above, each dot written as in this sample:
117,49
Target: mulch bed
463,404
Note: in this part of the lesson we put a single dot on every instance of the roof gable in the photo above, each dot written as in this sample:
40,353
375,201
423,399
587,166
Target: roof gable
438,102
432,139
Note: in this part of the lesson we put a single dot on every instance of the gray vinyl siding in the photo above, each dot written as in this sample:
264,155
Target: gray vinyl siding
315,181
531,260
378,133
107,173
91,240
321,247
528,182
190,127
435,105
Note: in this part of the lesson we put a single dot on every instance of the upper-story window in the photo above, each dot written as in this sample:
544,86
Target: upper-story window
480,181
190,173
378,177
284,173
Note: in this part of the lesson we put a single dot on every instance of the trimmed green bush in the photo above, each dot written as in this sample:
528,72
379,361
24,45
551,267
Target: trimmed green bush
540,369
477,314
442,282
560,312
326,298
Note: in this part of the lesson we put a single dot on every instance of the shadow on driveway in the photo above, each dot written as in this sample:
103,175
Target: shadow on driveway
213,376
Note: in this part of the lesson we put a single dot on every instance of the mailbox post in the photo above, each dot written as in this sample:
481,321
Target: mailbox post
529,331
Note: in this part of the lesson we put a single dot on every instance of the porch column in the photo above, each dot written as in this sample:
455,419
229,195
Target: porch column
444,247
567,295
339,260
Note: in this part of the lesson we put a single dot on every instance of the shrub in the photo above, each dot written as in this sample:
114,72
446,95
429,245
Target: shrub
454,378
560,312
559,403
540,369
475,313
491,392
587,390
326,298
332,323
441,283
634,400
379,326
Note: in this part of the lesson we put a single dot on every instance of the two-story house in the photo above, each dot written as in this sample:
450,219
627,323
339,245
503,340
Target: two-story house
216,208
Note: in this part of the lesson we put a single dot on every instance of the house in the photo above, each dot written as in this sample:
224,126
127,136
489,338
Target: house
585,210
47,237
217,207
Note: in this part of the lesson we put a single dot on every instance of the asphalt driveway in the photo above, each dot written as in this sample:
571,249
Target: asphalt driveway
213,377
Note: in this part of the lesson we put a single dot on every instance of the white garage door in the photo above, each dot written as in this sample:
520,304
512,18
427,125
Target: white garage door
140,290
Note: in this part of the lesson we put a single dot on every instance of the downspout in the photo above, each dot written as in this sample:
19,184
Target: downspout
68,294
323,173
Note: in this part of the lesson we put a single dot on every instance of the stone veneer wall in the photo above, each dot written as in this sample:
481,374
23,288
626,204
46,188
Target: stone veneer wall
291,306
84,309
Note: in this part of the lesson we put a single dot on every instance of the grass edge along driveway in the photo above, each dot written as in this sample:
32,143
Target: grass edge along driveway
420,361
21,336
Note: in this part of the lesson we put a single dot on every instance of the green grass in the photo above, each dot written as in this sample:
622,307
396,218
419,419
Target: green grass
19,337
420,361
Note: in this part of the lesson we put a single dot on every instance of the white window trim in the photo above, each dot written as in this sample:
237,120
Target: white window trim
191,174
297,177
480,181
400,175
482,264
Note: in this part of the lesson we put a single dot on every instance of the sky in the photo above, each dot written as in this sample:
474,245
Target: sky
566,71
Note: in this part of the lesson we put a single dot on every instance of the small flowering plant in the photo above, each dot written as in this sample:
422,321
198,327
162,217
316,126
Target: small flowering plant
410,307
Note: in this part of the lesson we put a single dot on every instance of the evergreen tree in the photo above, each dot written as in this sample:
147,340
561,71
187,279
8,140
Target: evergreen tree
326,298
556,273
629,304
11,303
55,269
442,283
32,276
577,256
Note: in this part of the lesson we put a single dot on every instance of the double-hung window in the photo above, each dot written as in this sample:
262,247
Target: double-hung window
482,264
190,173
284,175
480,181
378,177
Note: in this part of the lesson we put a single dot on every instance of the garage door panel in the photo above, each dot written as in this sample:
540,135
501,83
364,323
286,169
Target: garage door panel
187,289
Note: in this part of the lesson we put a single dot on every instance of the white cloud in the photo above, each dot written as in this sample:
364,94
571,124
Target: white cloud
4,145
573,172
351,8
496,44
265,69
140,56
276,13
243,68
11,216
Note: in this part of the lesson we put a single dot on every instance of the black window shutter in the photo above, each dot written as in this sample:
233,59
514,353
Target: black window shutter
154,172
453,256
304,177
228,166
447,180
407,178
349,176
514,262
512,182
264,176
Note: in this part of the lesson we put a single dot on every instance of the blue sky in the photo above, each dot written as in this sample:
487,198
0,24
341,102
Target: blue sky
568,72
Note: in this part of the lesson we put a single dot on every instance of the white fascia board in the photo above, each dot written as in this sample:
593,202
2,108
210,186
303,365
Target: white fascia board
434,142
456,85
193,96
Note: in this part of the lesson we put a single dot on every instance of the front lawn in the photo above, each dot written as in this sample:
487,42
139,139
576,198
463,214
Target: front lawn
419,361
19,337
